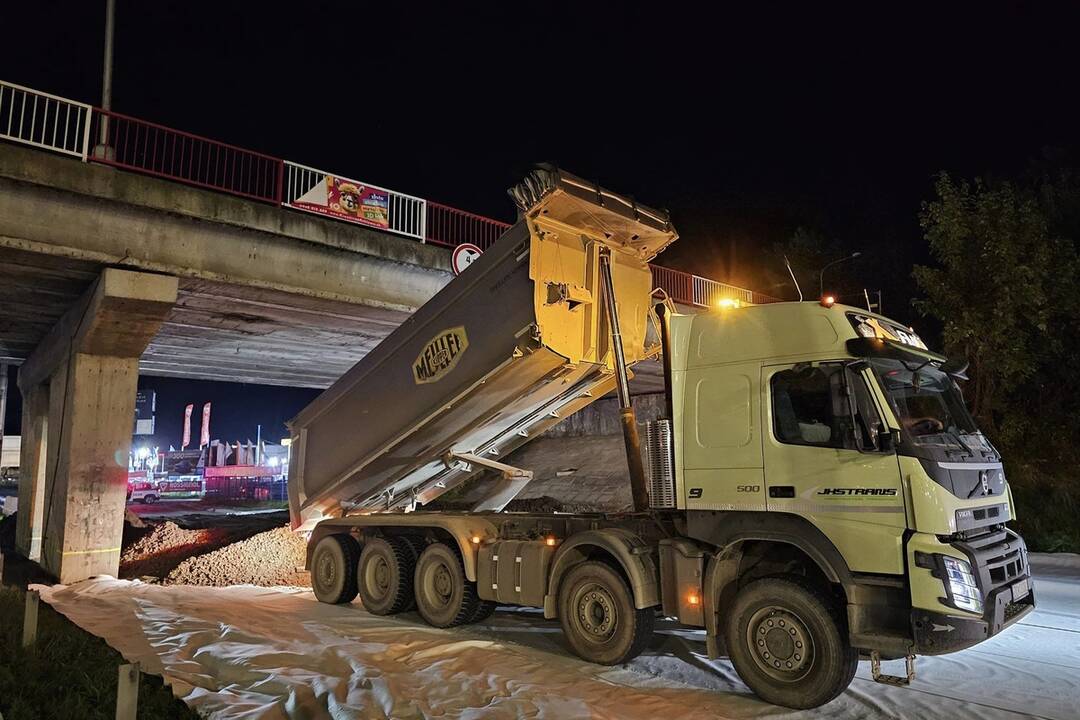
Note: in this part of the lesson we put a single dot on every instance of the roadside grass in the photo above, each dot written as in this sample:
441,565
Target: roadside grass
68,673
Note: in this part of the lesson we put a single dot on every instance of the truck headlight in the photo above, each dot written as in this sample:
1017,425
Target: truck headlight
963,590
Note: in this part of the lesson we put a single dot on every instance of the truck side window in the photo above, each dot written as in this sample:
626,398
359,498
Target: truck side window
810,408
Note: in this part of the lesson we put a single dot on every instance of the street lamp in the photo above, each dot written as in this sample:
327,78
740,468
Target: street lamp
821,275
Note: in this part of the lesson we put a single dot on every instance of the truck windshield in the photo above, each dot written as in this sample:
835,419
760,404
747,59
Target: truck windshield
927,403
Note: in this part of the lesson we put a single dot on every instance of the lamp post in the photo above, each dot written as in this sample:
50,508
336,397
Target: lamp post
102,149
821,275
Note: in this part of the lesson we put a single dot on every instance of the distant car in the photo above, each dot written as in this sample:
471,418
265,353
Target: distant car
143,492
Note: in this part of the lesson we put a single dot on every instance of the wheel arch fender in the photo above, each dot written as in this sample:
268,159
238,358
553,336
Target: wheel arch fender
722,572
632,554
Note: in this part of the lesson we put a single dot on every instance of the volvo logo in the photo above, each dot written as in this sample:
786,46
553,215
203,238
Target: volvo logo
984,478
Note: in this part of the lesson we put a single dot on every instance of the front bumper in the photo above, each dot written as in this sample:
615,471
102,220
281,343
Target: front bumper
1005,602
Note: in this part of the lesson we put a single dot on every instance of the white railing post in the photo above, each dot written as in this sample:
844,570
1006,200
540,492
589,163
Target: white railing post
423,222
13,126
89,113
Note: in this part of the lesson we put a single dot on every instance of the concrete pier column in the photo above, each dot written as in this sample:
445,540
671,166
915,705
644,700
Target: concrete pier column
89,363
32,456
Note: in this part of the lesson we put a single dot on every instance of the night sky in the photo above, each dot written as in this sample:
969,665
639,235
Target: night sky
744,125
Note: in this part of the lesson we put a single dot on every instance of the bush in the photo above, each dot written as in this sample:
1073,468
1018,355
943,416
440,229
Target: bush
1047,506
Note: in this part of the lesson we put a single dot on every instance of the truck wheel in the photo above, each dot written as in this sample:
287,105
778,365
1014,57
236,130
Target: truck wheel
150,499
385,575
333,569
484,610
788,642
444,596
598,616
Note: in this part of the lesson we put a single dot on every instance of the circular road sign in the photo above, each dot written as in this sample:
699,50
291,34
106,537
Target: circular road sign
464,255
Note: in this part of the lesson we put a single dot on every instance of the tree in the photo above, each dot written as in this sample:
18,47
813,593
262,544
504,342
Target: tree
997,290
1005,291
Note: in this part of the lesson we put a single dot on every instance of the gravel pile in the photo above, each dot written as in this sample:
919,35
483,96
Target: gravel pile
269,558
160,549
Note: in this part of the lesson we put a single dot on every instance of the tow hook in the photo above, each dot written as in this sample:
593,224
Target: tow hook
875,671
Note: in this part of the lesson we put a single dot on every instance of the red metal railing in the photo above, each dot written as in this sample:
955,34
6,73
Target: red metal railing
451,227
154,149
147,147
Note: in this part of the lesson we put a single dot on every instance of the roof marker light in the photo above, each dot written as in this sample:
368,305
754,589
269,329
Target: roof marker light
828,300
728,303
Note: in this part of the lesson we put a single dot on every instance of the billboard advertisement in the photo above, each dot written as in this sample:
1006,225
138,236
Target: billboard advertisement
347,200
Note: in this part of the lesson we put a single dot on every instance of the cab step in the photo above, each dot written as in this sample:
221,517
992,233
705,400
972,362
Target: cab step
897,680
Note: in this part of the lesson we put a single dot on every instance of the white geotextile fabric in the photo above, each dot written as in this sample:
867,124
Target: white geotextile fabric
247,652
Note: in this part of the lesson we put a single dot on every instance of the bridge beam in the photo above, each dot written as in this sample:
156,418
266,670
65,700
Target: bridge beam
80,385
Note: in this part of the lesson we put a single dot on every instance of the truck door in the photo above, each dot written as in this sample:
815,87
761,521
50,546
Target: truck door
823,461
721,438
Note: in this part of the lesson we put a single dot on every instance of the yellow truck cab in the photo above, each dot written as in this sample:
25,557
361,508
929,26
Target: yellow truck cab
836,429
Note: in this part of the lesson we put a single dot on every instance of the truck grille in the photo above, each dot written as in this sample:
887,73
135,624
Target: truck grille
999,558
660,464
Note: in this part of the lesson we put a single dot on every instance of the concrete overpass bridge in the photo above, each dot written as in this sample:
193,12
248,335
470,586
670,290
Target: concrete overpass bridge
264,294
169,254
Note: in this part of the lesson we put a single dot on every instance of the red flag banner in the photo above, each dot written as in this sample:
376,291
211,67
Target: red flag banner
187,426
204,436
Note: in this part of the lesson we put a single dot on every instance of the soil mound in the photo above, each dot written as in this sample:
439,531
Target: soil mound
160,549
269,558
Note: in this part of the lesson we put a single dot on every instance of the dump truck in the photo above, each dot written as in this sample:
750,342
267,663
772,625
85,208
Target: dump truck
816,492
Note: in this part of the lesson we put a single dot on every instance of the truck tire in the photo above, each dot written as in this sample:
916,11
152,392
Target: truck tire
598,617
416,546
444,596
385,575
484,610
788,641
150,499
333,569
